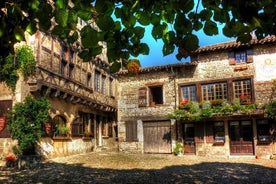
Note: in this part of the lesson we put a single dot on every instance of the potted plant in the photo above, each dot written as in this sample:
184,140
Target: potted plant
62,130
178,149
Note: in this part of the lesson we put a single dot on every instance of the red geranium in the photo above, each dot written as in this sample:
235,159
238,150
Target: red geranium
184,102
10,158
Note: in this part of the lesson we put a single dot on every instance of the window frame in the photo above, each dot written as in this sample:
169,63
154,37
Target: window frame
131,131
248,56
242,91
215,93
189,96
97,81
157,99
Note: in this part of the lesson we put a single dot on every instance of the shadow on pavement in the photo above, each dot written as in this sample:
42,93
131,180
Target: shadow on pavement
206,172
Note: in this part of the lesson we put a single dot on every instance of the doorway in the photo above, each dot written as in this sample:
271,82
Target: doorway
241,138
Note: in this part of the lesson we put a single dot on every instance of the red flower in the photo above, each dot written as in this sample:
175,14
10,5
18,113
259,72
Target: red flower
10,158
184,102
242,97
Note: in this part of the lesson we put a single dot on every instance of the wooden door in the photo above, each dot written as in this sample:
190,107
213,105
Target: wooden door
241,138
189,139
157,137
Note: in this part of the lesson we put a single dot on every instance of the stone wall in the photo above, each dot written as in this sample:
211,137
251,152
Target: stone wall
50,148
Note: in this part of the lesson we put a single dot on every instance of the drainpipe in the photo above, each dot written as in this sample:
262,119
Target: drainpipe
175,106
174,84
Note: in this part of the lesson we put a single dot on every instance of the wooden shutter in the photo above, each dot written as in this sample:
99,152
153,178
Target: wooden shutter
131,131
231,58
249,54
209,132
199,132
142,98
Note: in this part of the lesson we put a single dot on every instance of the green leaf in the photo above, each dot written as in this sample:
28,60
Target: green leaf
183,25
72,17
61,4
205,14
144,49
139,32
90,37
105,23
185,6
73,38
84,15
19,34
85,55
95,50
244,38
210,28
167,49
155,19
159,30
143,17
197,25
115,67
169,38
31,28
221,16
104,7
190,42
62,17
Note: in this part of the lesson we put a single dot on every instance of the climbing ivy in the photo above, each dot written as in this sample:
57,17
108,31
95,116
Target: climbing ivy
22,61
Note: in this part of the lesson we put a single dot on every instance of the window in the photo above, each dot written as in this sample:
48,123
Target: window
131,131
62,68
71,71
111,87
71,56
64,52
88,80
264,132
214,91
97,81
219,135
242,90
59,125
103,84
81,125
142,98
188,93
156,95
240,56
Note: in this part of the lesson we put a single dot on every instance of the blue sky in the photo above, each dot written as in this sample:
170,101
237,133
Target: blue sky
156,58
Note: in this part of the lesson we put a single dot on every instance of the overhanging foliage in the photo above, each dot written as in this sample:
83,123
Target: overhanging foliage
122,23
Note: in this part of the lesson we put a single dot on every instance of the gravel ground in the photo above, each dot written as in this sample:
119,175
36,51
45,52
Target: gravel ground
143,168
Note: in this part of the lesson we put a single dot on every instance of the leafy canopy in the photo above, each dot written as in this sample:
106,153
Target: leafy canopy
122,23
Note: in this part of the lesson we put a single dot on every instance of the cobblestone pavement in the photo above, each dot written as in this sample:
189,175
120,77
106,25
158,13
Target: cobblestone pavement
143,168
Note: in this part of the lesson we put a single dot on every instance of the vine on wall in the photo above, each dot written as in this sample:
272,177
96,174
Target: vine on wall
22,61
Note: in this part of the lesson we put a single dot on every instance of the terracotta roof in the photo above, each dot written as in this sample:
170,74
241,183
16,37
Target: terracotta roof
234,44
159,68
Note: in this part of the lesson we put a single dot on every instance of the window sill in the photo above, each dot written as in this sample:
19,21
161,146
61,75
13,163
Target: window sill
240,67
62,138
218,144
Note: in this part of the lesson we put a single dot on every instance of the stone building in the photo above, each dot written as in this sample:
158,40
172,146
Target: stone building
82,97
223,71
